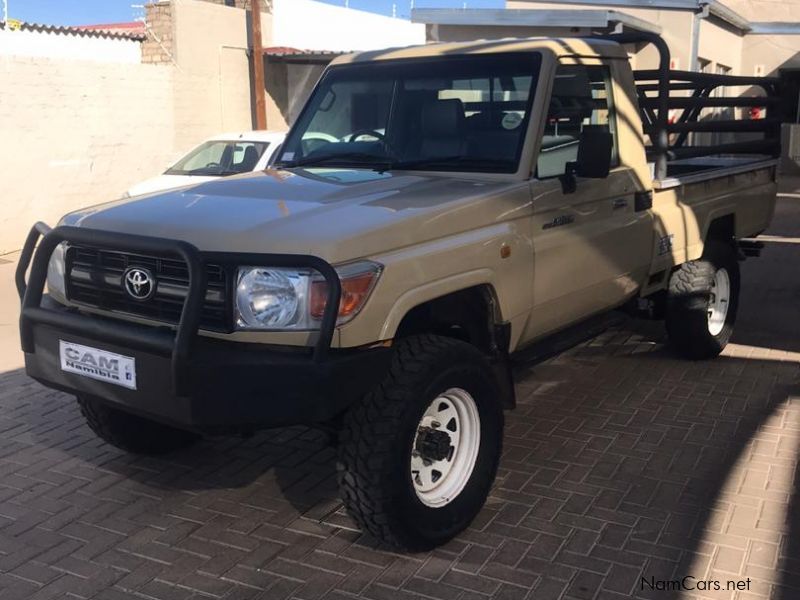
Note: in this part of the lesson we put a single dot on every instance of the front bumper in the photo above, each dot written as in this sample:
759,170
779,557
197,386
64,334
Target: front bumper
231,386
183,379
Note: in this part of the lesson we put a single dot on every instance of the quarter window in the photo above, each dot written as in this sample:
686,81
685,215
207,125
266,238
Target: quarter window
582,95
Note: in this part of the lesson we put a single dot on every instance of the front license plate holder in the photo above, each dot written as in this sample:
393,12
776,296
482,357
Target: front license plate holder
95,363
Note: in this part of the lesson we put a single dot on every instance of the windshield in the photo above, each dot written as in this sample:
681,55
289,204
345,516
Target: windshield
220,157
462,113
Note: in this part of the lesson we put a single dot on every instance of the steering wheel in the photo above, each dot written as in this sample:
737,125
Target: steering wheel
359,132
376,134
211,165
313,140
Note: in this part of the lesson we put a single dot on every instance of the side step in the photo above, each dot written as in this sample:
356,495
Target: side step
561,341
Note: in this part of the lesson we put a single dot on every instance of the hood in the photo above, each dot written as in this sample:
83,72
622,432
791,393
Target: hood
339,214
166,182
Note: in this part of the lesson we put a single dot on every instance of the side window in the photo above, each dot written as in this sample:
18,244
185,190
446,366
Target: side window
582,95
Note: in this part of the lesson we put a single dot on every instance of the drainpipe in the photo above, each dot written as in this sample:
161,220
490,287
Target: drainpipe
697,17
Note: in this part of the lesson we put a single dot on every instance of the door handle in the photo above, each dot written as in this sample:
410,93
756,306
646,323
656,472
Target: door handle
620,203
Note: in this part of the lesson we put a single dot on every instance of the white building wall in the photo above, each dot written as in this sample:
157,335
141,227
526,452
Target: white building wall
81,119
310,25
77,133
212,76
69,47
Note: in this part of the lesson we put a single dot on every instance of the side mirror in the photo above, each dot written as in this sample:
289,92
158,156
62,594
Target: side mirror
595,148
594,152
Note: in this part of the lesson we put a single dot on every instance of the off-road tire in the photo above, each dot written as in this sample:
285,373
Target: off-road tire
132,433
688,300
378,433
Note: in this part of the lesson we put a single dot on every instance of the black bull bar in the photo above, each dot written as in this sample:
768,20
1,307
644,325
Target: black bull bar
173,343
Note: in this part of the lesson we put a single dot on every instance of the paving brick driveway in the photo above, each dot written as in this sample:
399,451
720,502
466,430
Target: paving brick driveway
621,462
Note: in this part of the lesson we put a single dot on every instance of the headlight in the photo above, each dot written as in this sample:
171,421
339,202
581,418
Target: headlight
56,286
295,299
271,298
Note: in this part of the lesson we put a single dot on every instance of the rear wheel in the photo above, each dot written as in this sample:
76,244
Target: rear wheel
418,455
132,433
702,302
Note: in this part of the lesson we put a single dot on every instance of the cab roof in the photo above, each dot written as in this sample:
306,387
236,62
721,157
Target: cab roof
256,135
560,47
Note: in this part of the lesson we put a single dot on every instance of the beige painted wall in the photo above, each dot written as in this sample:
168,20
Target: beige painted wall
212,78
768,53
76,133
766,10
718,44
721,46
79,132
676,29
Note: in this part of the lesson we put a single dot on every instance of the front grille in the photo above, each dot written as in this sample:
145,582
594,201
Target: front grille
94,278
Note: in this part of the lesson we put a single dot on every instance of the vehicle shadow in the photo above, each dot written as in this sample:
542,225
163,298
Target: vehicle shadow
617,450
283,472
629,435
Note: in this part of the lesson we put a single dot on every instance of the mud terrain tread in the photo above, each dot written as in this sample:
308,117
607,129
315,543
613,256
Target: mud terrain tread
367,443
689,286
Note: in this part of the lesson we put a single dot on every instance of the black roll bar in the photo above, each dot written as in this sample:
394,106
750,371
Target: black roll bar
177,345
660,136
706,78
655,109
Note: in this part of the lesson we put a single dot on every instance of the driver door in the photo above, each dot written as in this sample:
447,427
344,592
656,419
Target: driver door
587,243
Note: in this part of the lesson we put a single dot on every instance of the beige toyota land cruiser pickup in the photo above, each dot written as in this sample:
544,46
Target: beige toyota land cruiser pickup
433,210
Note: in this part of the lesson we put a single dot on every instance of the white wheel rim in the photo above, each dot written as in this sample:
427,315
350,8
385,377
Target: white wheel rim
719,301
438,481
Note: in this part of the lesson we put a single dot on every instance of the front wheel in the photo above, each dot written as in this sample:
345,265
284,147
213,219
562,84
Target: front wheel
418,455
702,302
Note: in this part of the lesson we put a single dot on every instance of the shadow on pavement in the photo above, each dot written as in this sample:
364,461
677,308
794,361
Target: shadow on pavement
617,452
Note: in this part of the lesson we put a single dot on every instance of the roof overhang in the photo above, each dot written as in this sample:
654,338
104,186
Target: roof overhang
294,56
609,20
774,28
713,7
124,31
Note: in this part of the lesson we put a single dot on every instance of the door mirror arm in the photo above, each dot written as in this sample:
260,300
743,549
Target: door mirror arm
569,182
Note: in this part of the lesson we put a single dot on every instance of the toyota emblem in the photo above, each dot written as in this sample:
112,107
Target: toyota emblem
139,283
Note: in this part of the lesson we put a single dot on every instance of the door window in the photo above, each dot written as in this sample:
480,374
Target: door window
582,95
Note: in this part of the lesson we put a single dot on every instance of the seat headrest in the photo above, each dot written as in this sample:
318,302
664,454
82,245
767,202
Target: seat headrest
250,153
250,158
443,118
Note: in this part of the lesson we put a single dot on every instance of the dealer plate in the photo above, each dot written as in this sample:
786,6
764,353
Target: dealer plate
98,364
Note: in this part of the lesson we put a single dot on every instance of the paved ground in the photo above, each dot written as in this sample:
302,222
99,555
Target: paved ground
10,356
621,463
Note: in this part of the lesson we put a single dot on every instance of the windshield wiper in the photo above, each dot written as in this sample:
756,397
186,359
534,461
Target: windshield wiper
366,158
481,163
423,162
